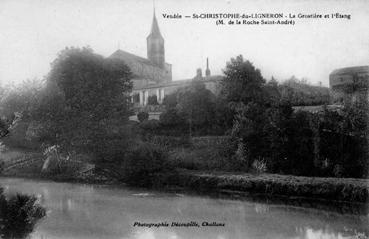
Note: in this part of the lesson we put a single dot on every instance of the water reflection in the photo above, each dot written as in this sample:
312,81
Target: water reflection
79,211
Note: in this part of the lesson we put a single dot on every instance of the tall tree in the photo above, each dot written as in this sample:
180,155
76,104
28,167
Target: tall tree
19,99
197,104
85,95
242,82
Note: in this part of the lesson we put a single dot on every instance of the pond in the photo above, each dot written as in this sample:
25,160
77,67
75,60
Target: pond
98,211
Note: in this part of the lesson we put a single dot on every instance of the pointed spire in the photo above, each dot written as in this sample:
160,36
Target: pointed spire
153,3
155,31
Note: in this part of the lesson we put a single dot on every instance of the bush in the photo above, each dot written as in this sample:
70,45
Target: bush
150,125
19,215
259,166
152,100
111,148
142,116
170,142
202,155
170,101
3,128
145,164
171,118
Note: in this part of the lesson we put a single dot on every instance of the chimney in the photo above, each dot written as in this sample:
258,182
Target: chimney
199,74
207,72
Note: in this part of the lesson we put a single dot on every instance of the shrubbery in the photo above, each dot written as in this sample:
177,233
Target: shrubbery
152,100
19,215
3,128
142,116
144,164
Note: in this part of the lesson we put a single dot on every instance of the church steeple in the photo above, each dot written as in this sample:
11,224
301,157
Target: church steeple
155,27
155,44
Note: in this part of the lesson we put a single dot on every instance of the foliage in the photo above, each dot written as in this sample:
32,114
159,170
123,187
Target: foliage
21,98
332,189
197,105
259,166
142,116
170,101
3,128
150,124
169,142
85,100
343,141
194,110
202,155
275,135
144,163
224,116
242,82
152,100
114,144
19,215
301,143
171,117
300,92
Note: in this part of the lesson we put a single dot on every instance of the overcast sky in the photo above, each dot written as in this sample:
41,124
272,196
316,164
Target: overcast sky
34,31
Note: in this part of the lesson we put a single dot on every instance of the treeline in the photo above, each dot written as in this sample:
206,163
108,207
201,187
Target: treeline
83,105
81,108
267,134
301,93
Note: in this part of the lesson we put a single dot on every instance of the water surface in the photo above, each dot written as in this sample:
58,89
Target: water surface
95,211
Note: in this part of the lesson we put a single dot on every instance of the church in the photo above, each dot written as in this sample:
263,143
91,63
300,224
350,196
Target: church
152,76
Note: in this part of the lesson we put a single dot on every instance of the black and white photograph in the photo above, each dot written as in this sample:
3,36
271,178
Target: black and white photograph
189,119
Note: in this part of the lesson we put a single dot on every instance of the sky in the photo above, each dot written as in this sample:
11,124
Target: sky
34,31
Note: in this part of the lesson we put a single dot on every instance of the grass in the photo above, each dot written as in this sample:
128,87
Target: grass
197,160
337,189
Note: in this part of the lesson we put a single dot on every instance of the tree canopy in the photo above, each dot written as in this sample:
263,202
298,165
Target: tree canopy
242,82
84,95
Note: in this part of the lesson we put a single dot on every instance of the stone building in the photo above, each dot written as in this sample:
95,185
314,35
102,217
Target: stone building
153,76
350,84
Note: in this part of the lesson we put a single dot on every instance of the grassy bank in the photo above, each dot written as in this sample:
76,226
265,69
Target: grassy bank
337,189
23,163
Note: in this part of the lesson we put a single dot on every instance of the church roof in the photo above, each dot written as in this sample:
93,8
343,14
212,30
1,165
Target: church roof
155,31
215,78
130,57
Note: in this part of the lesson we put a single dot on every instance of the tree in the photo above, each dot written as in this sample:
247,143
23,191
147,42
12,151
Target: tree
197,105
152,100
344,140
272,93
21,98
142,116
86,99
170,117
299,92
242,82
19,214
170,101
3,128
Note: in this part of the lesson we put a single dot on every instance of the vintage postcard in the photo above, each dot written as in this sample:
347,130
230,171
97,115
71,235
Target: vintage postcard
156,119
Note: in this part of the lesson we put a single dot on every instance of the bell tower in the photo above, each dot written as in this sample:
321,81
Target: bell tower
155,45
